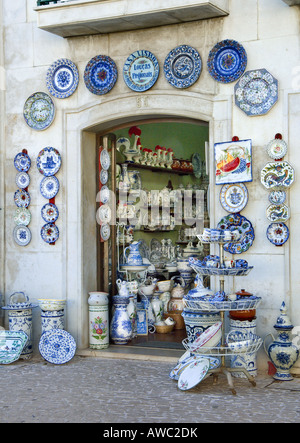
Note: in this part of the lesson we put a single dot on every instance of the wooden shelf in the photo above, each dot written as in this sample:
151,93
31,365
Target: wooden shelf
158,169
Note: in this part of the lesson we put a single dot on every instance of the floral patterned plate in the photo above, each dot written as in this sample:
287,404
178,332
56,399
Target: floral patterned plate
22,198
277,149
57,346
193,374
49,212
22,180
39,111
49,187
100,74
183,66
22,216
22,162
11,346
227,61
50,233
22,235
278,233
243,225
62,78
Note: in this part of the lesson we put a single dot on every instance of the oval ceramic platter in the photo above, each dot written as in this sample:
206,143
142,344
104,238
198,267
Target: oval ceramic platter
227,61
183,66
48,161
277,175
278,213
11,345
234,197
22,235
256,92
62,78
100,74
22,162
50,233
39,111
276,149
245,228
141,71
278,233
49,187
57,346
193,374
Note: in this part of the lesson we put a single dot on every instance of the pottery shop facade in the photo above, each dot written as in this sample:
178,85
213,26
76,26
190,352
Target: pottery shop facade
34,37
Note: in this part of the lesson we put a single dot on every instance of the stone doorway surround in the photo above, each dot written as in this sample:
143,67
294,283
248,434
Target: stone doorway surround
80,128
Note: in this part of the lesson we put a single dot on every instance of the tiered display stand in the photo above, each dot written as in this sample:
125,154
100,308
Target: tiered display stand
223,350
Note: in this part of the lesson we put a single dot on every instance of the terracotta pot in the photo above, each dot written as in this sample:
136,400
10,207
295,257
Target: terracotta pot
243,315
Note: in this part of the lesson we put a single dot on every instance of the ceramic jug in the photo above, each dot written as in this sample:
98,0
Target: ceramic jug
122,288
120,327
134,257
282,352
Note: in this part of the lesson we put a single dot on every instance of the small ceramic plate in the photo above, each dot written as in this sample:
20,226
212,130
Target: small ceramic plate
50,233
105,159
11,346
193,374
100,74
48,161
236,221
39,111
278,213
105,231
234,197
141,71
104,214
278,233
22,162
277,175
181,365
22,198
22,216
103,176
208,334
277,149
183,66
57,346
49,213
104,194
277,197
62,78
22,235
227,61
22,180
49,187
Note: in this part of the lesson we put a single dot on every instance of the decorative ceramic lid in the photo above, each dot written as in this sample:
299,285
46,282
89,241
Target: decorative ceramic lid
283,321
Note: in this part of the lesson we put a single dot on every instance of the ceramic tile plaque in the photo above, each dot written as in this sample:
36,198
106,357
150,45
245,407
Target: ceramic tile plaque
233,162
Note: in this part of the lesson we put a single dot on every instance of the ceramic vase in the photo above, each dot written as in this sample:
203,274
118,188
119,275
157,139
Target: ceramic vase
21,320
98,320
52,320
158,308
247,361
282,352
120,328
146,303
131,311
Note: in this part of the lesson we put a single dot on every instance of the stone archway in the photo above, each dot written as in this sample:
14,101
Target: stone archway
80,128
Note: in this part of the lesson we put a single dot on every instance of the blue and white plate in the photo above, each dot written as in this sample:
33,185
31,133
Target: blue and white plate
49,212
57,346
48,161
227,61
183,66
234,197
39,111
240,223
62,78
49,187
22,235
50,233
22,162
22,180
278,233
22,198
100,74
141,71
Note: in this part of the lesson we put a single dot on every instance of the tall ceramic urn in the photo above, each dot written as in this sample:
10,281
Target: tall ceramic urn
98,320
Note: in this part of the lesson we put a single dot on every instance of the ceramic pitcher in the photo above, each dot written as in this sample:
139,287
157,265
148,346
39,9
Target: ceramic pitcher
134,257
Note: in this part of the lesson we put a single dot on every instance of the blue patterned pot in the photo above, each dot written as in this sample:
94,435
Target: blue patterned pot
120,327
197,322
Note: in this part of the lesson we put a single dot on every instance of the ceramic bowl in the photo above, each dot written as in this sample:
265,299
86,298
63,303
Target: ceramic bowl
164,285
210,338
48,304
238,341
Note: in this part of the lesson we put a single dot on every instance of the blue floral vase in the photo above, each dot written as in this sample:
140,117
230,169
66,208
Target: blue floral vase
282,352
120,327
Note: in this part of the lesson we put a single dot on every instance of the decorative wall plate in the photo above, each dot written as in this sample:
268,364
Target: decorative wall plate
141,71
278,213
22,180
100,74
104,213
105,231
62,78
234,197
256,92
277,149
22,216
48,161
227,61
105,159
11,346
49,187
104,194
50,233
183,66
277,175
57,346
22,198
39,111
22,235
103,176
193,374
243,225
277,197
278,233
49,212
22,162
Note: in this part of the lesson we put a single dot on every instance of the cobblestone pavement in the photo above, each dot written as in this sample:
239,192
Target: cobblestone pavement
103,390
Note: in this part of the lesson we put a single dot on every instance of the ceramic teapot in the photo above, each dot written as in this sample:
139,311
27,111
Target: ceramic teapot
178,289
134,257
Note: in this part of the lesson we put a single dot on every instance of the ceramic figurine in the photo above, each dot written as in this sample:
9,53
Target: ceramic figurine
282,352
120,327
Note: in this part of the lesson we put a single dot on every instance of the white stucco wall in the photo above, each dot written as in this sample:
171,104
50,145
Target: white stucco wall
61,271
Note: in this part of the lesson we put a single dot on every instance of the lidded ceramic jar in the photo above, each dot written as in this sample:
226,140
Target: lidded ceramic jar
245,314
